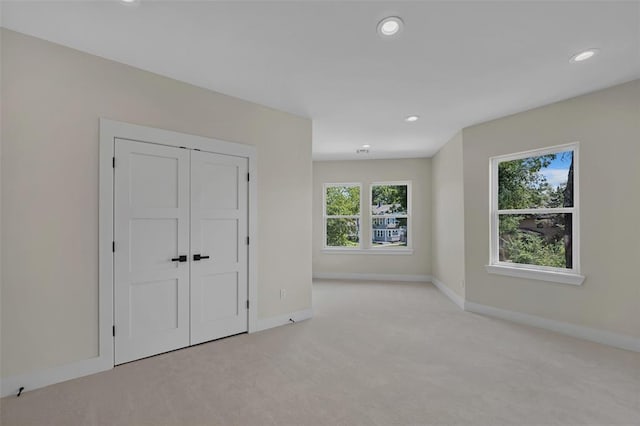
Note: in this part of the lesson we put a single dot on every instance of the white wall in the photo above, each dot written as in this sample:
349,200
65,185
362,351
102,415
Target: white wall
447,220
53,97
418,171
607,125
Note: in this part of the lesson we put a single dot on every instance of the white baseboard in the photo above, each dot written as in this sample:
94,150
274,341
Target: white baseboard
604,337
266,323
371,277
41,378
447,291
38,379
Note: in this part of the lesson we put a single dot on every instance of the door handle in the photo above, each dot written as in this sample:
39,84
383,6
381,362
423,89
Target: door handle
182,258
198,257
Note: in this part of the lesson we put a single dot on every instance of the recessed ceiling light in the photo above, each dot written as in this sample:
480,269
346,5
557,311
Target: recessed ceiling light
411,118
130,2
390,26
584,55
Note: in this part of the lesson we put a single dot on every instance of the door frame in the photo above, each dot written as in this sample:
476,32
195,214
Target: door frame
109,131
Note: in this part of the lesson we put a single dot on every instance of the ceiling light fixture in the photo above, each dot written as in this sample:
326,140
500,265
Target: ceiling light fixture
390,26
366,146
584,55
411,118
130,2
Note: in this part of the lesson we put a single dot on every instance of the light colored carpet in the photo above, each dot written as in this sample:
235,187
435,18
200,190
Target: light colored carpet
374,354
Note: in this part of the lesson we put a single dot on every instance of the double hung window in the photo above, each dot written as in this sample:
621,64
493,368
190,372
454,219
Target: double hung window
534,214
342,215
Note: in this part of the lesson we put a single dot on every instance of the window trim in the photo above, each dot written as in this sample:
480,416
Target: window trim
325,217
409,246
544,273
367,251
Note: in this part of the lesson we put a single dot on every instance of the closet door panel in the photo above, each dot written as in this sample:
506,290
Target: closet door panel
218,246
151,227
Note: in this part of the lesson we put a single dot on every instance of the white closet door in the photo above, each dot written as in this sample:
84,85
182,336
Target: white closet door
218,236
151,226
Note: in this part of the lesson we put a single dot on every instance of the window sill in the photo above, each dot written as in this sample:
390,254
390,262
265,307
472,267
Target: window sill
367,251
536,274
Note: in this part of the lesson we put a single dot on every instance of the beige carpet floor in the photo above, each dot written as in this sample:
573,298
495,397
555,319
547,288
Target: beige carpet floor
374,354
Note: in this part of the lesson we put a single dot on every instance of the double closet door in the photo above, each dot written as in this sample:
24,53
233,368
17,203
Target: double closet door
180,251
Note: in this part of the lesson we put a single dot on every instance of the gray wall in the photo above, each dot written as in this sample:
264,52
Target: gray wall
1,234
447,219
607,125
53,97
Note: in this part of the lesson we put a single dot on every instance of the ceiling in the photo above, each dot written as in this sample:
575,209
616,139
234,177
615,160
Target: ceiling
454,64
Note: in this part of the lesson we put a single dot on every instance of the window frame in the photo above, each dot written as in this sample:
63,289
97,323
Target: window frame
408,216
325,186
544,273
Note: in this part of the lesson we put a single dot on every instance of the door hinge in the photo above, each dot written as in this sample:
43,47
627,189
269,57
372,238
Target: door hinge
113,162
113,331
248,177
247,240
247,304
113,246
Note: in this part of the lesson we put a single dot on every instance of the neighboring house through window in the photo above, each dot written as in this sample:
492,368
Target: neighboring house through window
390,209
535,215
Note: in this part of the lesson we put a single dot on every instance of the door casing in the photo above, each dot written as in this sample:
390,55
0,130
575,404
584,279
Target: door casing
109,131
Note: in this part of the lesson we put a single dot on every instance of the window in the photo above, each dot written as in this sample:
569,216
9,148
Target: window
342,215
390,215
389,221
534,215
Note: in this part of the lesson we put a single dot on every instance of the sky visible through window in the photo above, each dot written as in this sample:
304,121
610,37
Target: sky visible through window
558,170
